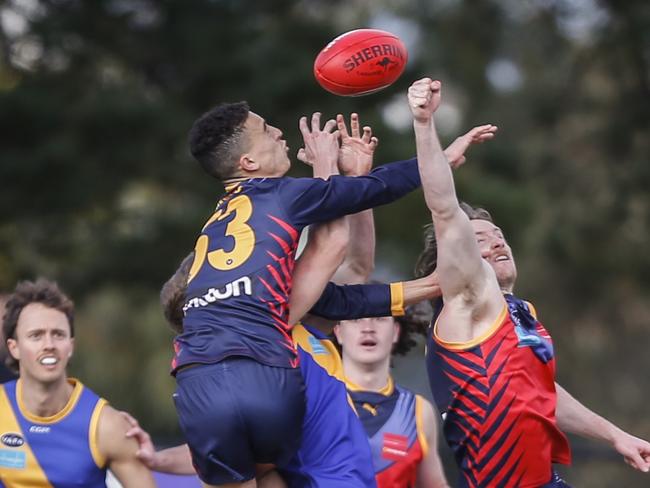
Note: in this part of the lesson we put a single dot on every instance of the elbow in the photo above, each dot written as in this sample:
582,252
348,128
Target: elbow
337,244
362,271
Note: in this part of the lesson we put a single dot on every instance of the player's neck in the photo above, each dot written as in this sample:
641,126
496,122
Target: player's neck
369,377
45,399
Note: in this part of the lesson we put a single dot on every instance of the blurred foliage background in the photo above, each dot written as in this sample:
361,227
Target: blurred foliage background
97,189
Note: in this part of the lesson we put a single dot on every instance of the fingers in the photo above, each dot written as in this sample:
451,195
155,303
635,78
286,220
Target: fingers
329,125
636,461
421,92
302,156
129,419
374,142
354,125
304,130
140,435
483,133
367,134
340,124
315,122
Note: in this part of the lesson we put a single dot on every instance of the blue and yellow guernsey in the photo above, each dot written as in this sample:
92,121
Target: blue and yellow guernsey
335,449
241,278
50,452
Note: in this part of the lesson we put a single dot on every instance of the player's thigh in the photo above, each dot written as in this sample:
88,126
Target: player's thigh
209,417
272,405
238,413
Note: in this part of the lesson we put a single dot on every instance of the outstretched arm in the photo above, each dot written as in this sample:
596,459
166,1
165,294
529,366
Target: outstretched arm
326,247
572,416
323,253
355,159
459,259
468,284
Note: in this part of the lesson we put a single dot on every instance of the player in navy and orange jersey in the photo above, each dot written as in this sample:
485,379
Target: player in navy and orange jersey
491,363
400,425
334,450
236,334
53,430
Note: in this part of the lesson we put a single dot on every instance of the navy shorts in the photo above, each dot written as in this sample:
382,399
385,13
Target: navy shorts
237,413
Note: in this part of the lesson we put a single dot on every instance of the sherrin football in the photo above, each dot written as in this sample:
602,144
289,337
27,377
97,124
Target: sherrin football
360,62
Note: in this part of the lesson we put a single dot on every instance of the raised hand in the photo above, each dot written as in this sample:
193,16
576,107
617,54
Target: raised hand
321,146
357,150
424,98
455,152
635,451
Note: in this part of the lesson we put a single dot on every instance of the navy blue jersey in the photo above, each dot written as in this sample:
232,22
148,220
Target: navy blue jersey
240,281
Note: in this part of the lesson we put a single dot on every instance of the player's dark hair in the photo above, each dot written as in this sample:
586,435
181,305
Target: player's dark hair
428,258
172,295
217,138
41,291
414,321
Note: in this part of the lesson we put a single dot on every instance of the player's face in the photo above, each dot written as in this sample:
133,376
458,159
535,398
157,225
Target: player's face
367,341
42,344
267,147
495,250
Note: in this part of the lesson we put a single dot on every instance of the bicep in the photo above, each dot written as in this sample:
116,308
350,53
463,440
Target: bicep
461,269
120,451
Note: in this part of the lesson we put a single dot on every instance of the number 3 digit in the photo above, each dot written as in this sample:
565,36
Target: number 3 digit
238,229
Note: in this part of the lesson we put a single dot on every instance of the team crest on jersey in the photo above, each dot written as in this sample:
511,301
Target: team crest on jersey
394,446
11,439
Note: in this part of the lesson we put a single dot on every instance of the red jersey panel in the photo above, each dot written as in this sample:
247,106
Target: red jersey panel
390,422
498,400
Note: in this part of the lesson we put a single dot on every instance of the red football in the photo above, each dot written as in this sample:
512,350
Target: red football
359,62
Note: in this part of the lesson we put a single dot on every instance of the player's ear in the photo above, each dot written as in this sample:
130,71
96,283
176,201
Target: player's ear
247,164
337,332
12,347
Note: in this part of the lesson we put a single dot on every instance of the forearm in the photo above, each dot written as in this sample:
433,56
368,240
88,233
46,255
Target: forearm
323,254
360,257
572,416
174,460
435,173
415,291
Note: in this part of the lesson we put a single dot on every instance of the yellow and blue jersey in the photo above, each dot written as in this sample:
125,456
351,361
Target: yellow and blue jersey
334,449
241,278
392,419
50,452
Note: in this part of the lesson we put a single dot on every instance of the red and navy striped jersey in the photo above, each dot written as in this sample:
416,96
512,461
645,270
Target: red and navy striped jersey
240,281
397,443
497,398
